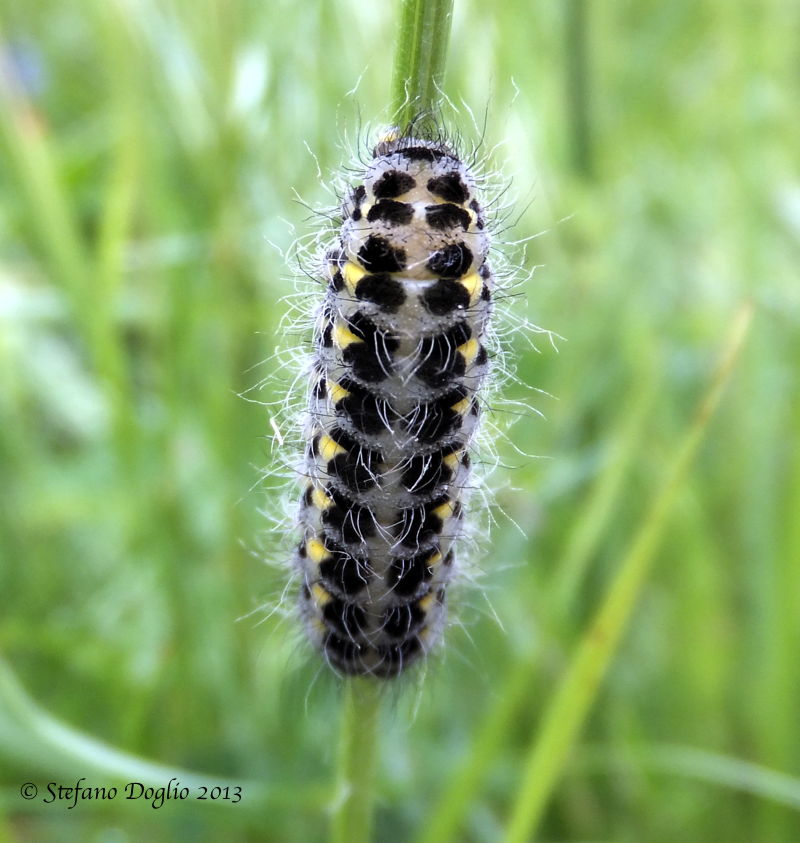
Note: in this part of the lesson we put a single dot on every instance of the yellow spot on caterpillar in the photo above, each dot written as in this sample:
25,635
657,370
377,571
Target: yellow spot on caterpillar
434,559
445,510
328,449
451,461
316,550
427,601
343,336
472,284
469,351
320,595
352,274
320,499
461,407
338,393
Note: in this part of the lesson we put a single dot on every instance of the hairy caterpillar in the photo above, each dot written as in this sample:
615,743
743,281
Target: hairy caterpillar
399,359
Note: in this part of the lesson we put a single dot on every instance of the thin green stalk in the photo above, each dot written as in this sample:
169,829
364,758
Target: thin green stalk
353,805
443,823
420,59
572,568
34,157
30,153
572,700
578,93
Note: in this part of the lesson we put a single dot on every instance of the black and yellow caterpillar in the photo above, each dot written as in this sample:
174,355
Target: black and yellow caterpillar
399,361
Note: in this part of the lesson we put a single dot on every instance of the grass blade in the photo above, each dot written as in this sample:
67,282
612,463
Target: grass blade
573,698
26,731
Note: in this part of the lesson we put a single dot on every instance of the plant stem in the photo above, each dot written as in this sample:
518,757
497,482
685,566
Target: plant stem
572,700
578,93
420,59
444,822
352,816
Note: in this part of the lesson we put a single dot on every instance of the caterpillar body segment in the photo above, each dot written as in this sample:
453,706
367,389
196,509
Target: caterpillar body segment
393,407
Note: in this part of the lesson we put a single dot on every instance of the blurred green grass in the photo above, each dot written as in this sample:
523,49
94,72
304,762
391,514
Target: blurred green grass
149,154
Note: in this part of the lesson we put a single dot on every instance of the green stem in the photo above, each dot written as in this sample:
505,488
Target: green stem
578,93
572,700
420,59
443,823
353,808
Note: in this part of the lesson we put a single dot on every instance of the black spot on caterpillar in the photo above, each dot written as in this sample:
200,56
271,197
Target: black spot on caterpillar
377,254
399,363
391,212
447,215
383,290
390,184
451,188
452,261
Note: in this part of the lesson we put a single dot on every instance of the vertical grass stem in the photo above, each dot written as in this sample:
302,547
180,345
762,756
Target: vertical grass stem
420,58
353,806
572,700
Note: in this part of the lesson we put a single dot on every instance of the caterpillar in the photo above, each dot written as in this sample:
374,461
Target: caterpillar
393,405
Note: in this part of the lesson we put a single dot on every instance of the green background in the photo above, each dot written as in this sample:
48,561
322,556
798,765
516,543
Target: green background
151,155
